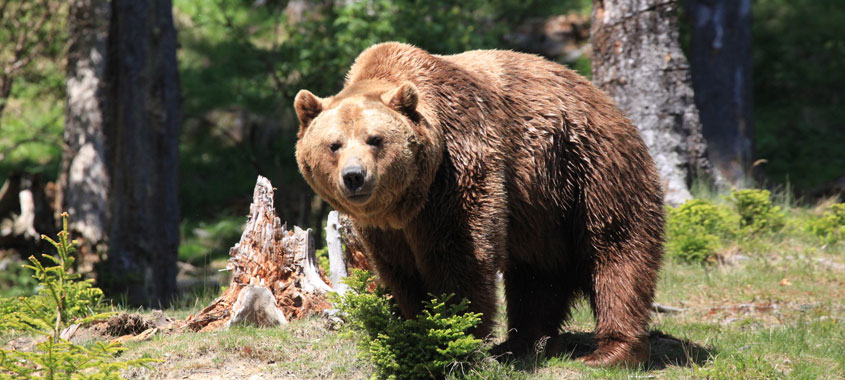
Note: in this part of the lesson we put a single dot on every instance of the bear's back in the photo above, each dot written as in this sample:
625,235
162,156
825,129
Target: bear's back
538,85
553,131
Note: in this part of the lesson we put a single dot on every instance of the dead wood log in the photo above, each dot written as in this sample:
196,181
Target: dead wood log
256,305
270,257
26,213
337,265
665,309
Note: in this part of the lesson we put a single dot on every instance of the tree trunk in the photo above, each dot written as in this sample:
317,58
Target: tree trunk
638,61
142,134
720,56
83,179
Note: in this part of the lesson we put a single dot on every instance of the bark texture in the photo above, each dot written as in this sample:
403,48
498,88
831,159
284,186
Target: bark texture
268,259
720,56
84,180
142,133
638,61
355,256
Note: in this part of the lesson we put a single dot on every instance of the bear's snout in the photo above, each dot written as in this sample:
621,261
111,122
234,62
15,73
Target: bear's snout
355,187
353,177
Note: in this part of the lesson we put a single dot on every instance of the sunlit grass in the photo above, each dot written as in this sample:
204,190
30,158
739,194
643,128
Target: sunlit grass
770,308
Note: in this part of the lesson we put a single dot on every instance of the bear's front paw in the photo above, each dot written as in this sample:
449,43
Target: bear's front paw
512,348
618,353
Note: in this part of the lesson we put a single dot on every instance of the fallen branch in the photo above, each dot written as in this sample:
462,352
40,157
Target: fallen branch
665,309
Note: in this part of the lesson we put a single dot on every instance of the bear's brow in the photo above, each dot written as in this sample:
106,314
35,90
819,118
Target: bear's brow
370,89
349,112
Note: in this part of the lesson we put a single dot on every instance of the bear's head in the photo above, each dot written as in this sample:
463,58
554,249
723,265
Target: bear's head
368,151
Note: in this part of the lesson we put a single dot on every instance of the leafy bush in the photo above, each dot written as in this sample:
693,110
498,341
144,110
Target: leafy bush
830,228
62,300
693,230
756,211
409,349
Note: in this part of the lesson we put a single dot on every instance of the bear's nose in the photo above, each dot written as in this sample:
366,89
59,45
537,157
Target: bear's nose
353,177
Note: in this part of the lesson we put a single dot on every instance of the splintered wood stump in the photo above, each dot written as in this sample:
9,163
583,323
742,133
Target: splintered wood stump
337,265
268,260
339,230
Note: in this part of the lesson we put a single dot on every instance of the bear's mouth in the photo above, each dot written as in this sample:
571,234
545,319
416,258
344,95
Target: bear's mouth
358,197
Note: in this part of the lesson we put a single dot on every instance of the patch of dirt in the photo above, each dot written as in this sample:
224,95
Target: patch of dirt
123,327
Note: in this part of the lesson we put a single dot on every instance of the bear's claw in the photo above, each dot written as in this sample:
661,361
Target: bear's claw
618,353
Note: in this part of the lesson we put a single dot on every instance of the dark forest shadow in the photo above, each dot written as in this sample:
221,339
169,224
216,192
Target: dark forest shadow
666,350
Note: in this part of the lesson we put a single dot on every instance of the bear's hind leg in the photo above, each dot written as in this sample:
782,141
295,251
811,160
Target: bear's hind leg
621,295
537,306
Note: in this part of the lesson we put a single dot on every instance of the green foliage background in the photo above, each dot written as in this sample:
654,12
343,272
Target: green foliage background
799,74
241,62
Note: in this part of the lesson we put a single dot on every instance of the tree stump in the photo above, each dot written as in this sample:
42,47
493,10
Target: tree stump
268,257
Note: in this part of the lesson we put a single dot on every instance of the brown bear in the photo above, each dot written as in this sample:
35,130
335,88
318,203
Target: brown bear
455,167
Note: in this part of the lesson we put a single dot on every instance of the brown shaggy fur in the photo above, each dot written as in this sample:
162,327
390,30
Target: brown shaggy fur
493,161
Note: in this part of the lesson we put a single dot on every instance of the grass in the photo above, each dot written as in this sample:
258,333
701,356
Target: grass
303,349
771,307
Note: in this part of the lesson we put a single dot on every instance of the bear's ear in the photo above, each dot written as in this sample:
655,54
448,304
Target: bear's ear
307,106
404,98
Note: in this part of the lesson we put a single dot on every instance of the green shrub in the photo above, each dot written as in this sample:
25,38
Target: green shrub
62,300
426,347
830,227
693,230
61,297
756,211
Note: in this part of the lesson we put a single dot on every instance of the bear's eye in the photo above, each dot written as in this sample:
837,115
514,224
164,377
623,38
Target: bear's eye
335,146
374,141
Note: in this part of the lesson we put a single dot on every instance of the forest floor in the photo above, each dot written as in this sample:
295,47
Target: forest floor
776,314
767,306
